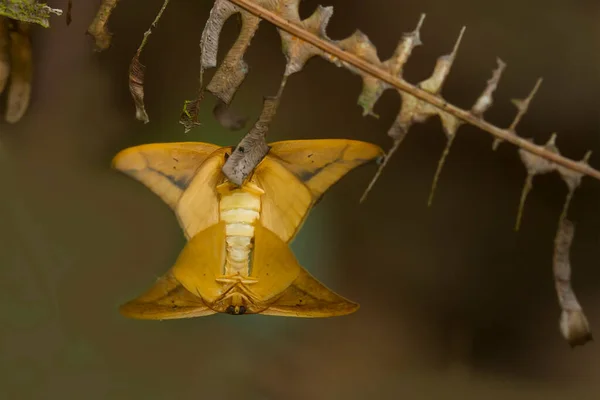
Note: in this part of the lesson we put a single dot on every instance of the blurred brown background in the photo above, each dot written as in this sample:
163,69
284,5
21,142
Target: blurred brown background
454,304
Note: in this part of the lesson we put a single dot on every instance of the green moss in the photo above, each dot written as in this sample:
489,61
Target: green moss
28,11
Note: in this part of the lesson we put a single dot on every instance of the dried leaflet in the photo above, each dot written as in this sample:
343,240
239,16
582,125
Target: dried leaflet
232,71
522,108
536,166
19,89
137,71
98,28
28,11
573,322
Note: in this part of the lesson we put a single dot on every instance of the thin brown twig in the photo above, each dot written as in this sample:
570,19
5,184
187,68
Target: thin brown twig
400,84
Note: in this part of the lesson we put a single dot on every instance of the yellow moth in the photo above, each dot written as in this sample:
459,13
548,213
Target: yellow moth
237,259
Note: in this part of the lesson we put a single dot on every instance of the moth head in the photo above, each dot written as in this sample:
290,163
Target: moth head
236,310
235,303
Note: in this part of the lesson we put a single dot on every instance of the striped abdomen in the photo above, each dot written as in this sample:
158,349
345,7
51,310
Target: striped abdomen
239,208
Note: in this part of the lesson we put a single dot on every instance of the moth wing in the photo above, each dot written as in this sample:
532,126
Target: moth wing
165,168
321,163
308,298
286,200
167,299
273,265
201,262
198,207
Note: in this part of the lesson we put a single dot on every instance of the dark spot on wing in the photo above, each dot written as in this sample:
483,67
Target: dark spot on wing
308,175
180,183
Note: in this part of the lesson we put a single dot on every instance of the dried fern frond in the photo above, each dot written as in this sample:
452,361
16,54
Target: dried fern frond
420,101
304,39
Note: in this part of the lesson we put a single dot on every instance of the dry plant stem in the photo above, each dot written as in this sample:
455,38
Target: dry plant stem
382,166
137,70
573,322
253,147
98,29
400,84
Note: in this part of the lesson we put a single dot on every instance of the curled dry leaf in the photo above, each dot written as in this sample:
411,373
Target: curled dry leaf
232,71
574,325
19,89
136,88
137,71
30,11
189,114
98,28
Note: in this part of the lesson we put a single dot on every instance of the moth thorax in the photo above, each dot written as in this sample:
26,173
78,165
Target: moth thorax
239,201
